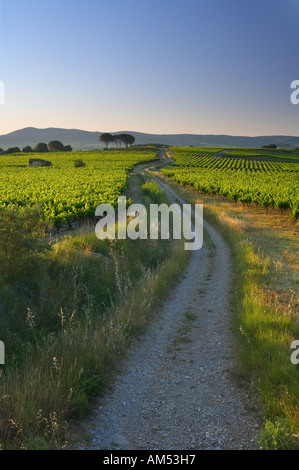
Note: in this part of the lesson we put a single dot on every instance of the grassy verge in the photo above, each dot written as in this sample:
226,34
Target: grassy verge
265,305
68,324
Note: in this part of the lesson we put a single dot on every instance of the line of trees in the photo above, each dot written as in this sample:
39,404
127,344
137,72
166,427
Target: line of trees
271,146
53,146
107,138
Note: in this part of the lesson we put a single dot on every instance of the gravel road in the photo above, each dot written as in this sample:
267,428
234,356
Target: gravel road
176,391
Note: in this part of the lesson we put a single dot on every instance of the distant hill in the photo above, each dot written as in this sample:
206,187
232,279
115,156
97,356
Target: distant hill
86,140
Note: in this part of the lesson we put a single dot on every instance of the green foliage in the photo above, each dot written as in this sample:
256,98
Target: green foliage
106,138
63,193
55,146
153,190
271,146
66,330
27,149
11,150
41,148
264,325
127,139
264,178
21,241
277,436
79,163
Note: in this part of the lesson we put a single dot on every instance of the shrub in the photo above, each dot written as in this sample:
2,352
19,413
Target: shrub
79,163
153,190
21,241
41,148
55,146
277,436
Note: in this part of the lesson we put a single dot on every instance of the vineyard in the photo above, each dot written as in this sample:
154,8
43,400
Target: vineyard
262,177
64,192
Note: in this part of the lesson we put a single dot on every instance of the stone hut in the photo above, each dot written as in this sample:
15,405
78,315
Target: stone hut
39,162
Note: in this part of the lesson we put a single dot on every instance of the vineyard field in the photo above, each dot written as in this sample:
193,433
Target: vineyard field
64,192
261,177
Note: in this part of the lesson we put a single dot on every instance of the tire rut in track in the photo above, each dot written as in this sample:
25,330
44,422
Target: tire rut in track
176,393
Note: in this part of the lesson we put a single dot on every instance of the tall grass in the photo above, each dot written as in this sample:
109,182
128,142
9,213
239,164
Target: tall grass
265,323
265,329
67,326
64,375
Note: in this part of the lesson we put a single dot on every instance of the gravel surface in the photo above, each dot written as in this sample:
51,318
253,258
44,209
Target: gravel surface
175,391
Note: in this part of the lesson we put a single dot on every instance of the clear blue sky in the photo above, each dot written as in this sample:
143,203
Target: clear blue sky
162,66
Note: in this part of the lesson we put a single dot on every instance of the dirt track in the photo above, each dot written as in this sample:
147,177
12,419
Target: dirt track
176,390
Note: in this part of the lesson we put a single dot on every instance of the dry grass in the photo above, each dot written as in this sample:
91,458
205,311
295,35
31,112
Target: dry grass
65,375
265,302
90,302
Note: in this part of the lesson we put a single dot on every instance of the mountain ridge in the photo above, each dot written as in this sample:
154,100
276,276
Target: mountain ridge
88,140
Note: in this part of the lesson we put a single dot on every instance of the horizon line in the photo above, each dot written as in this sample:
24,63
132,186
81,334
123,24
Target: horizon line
149,133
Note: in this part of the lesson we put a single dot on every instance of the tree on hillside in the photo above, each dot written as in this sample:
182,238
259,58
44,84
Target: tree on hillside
41,148
67,148
106,138
271,146
27,149
55,146
127,139
117,140
13,150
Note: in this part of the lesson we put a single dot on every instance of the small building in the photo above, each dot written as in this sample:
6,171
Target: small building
39,162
